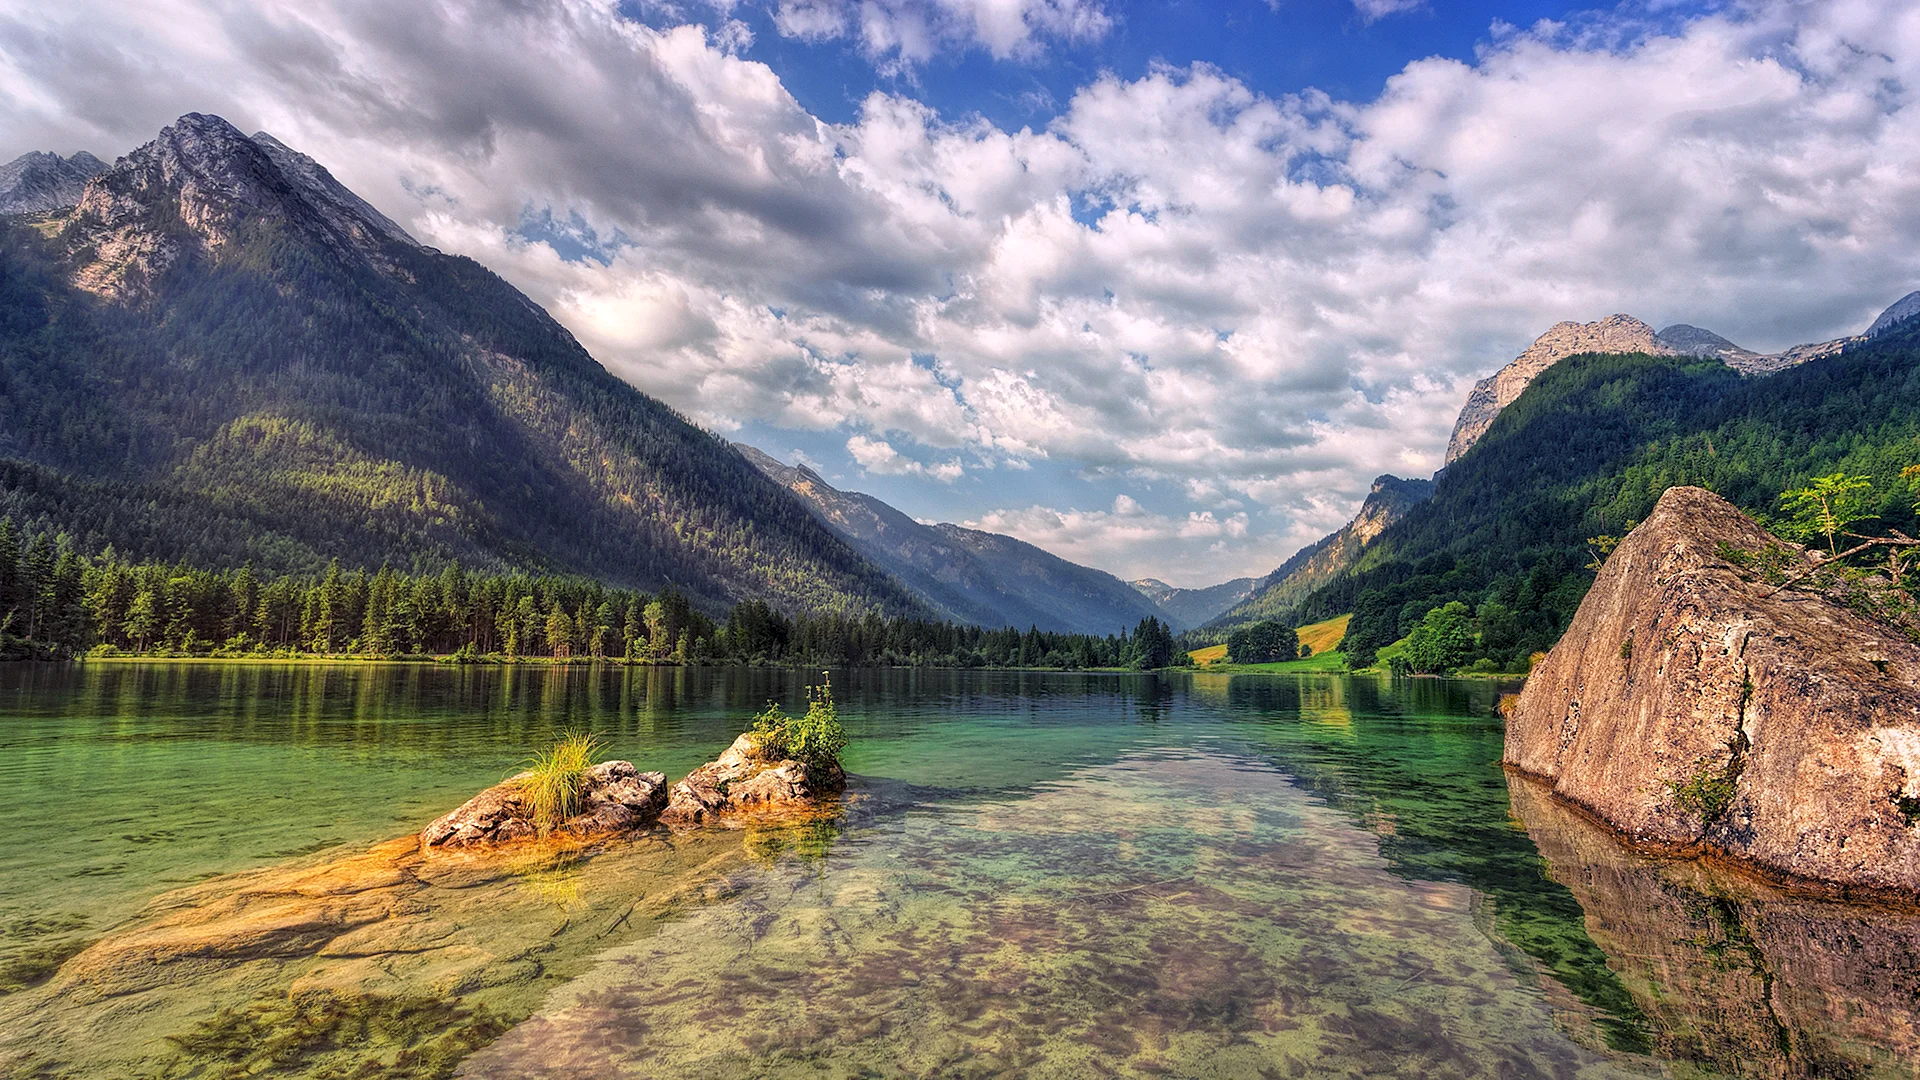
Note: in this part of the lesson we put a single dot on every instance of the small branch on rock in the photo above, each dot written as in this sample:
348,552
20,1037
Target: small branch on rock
1897,540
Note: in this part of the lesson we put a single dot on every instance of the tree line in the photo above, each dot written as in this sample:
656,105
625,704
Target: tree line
56,603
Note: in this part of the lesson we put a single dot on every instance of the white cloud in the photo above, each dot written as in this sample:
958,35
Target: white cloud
1275,299
1374,10
879,456
903,33
1129,540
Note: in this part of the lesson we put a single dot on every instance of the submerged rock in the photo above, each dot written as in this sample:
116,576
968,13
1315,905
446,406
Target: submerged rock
615,797
1693,706
746,778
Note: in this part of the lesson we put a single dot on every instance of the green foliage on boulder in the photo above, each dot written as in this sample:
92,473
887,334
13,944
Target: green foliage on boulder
814,738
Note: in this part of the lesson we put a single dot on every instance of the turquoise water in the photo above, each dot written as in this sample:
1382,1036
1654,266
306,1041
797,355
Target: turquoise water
1035,874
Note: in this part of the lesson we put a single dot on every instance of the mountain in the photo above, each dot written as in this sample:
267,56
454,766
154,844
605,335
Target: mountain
220,355
1626,334
968,575
1193,607
1613,334
38,182
1279,593
1588,449
1684,340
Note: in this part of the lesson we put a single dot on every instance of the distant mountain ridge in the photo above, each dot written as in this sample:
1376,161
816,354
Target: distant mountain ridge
966,574
1194,607
1320,562
38,182
1626,334
220,355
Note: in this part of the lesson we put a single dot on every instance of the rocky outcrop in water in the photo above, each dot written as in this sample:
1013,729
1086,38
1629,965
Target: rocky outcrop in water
746,778
615,797
1692,705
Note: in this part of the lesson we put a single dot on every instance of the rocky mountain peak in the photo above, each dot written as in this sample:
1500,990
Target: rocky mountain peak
1387,502
38,182
347,212
1613,334
1897,313
1694,341
203,160
194,188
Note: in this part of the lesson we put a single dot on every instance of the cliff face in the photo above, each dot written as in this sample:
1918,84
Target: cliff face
1689,705
38,182
1613,334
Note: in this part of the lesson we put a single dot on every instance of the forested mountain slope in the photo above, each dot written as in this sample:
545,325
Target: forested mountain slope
1588,449
970,576
220,355
1280,592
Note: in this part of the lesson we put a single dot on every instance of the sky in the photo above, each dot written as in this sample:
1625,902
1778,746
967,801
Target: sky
1160,287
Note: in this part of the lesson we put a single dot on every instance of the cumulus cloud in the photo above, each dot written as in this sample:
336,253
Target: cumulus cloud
1254,303
903,33
1126,539
879,456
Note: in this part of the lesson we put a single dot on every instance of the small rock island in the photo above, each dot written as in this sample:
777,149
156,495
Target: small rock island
1695,706
784,764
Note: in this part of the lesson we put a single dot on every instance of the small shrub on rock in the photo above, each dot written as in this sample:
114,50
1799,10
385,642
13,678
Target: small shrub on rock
814,739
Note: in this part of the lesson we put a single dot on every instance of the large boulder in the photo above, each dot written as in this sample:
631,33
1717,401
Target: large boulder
745,777
615,797
1694,706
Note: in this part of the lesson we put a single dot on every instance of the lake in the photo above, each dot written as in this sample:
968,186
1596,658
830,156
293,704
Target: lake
1033,874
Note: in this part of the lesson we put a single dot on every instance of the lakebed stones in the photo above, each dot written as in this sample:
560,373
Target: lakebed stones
615,797
1693,706
745,778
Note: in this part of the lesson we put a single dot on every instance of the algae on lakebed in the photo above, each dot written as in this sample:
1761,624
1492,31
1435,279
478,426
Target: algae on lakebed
1175,912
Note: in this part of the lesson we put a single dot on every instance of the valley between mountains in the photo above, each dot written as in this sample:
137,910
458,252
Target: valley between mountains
215,356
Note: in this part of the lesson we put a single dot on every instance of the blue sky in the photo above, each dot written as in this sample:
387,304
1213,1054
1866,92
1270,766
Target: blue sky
1160,287
1280,48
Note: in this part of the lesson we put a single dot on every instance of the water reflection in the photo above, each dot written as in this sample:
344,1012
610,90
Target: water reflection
1738,977
1323,869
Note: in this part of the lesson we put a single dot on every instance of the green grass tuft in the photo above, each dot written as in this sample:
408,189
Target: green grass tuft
559,774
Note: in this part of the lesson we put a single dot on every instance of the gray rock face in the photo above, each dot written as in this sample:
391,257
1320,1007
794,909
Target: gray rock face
198,183
1613,334
1626,334
38,182
615,798
1693,341
1896,314
347,212
1690,705
743,778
